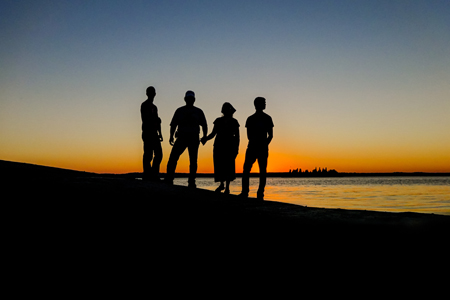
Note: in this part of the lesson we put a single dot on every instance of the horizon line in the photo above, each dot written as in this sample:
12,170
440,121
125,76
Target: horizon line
309,174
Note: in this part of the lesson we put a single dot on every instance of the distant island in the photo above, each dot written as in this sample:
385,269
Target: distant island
321,172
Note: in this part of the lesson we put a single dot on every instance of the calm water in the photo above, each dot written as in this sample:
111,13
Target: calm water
394,194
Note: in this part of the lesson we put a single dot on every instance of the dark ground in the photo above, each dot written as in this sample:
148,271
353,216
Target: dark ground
85,219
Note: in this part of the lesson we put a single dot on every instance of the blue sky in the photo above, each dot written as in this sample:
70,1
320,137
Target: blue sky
350,85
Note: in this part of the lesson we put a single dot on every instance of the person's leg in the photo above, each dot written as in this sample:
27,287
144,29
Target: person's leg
227,188
147,159
193,156
221,187
262,162
177,149
218,169
250,159
157,159
217,165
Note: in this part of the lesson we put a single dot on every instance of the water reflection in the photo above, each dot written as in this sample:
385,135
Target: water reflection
394,194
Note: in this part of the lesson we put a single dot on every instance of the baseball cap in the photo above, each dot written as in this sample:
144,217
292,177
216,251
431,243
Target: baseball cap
190,94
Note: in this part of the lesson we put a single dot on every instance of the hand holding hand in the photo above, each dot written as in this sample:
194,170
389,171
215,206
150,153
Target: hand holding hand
203,140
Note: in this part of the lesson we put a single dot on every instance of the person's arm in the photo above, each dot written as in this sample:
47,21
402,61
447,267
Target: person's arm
173,126
205,134
159,130
204,126
210,136
269,135
238,139
172,133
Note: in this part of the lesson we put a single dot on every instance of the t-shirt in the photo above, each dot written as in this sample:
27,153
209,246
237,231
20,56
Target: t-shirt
188,120
258,126
149,116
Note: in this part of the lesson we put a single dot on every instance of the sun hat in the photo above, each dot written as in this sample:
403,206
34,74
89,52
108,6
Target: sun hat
228,108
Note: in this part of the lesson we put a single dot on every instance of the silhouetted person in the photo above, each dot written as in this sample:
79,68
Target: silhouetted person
226,147
151,136
260,134
185,126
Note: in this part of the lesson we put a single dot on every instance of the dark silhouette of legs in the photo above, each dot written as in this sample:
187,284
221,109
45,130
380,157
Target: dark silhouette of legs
157,160
177,150
262,162
179,147
227,188
251,155
193,156
248,163
147,160
152,151
221,187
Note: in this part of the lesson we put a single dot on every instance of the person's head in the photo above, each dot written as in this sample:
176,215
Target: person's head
151,92
189,97
228,109
260,103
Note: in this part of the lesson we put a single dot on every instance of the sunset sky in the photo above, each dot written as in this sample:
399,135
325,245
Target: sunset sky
356,86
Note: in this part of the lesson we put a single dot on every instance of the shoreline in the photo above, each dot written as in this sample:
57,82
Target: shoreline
287,175
52,181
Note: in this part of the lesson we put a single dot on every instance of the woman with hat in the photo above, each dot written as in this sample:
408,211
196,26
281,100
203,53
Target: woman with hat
226,147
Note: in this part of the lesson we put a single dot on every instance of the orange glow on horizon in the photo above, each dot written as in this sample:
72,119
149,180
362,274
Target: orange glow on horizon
205,165
130,160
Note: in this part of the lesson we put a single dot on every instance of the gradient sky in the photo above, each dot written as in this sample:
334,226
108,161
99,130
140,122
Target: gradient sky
356,86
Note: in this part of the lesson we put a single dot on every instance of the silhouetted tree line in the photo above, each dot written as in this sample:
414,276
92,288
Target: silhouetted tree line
316,172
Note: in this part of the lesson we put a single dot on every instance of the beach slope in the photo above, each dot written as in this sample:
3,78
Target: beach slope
100,200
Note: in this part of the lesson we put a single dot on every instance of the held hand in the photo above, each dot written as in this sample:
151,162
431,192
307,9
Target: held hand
171,141
203,140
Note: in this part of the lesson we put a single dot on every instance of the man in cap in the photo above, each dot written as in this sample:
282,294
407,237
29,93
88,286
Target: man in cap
185,127
260,134
151,136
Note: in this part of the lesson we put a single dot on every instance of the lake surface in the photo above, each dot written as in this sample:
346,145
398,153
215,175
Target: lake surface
393,194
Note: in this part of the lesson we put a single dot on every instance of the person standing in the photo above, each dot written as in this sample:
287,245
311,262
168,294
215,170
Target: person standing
185,127
151,136
226,147
260,133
